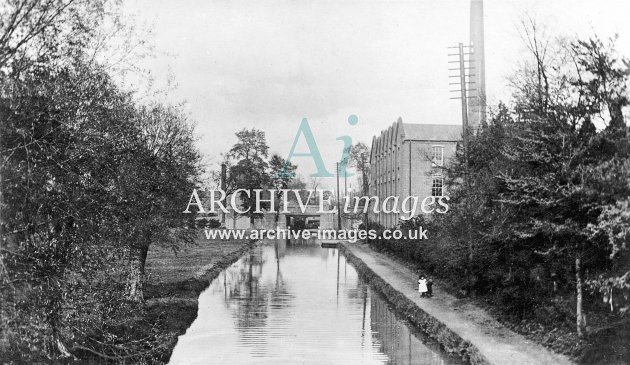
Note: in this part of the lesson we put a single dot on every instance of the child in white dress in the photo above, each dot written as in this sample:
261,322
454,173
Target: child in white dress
422,286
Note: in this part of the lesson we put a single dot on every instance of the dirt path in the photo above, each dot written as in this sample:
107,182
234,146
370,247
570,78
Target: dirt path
495,343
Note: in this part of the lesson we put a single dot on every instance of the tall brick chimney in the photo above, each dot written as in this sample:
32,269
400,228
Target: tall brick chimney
477,104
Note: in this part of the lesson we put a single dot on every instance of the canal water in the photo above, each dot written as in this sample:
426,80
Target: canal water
298,303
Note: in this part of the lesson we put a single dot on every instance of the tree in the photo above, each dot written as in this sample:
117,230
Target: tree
49,29
83,178
164,171
281,178
539,200
56,32
360,160
568,173
602,78
60,147
251,170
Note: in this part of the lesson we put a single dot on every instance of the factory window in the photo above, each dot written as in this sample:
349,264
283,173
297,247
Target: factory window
438,155
437,187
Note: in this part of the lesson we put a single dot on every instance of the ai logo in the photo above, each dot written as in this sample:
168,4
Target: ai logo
305,130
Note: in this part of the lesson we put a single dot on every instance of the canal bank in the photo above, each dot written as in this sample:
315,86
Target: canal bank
175,280
455,324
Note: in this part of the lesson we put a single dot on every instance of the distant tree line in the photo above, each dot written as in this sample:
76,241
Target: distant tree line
90,178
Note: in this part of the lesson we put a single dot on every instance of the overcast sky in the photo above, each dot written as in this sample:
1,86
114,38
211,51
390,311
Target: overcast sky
268,64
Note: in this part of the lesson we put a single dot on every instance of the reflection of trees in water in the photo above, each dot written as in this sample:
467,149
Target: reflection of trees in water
281,296
248,297
260,299
392,337
241,278
280,248
247,300
325,254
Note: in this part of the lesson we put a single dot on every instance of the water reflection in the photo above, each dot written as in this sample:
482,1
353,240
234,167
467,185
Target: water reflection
297,303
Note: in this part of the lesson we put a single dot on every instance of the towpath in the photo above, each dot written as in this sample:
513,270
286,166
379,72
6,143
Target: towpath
494,343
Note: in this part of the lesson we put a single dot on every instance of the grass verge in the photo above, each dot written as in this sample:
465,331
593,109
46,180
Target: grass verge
175,280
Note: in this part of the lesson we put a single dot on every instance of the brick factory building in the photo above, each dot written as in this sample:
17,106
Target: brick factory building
407,160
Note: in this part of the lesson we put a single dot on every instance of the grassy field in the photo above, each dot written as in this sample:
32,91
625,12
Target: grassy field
174,282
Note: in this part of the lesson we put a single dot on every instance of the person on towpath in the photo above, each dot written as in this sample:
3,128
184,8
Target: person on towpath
429,287
422,286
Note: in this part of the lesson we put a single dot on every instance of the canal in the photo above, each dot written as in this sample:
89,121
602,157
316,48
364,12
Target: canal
298,303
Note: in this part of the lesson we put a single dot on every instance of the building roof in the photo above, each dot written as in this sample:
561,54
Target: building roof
432,132
400,131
